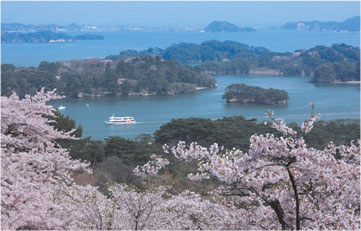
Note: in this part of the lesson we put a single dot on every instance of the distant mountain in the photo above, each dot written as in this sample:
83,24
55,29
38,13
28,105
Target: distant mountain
350,24
222,26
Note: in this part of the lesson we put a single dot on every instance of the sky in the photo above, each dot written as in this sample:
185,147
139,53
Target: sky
175,14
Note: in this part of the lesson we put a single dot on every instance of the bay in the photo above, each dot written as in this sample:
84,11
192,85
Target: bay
31,54
332,101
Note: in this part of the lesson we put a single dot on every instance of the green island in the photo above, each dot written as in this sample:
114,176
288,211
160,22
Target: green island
223,26
45,37
350,24
335,64
136,76
245,94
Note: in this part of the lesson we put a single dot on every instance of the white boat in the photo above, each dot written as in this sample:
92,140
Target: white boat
61,108
114,120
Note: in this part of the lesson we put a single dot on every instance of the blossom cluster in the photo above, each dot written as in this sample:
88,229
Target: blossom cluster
307,125
35,171
152,167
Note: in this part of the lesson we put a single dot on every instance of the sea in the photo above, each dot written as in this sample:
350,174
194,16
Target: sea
338,101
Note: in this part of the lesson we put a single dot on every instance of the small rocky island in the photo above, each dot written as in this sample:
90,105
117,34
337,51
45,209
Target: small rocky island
245,94
223,26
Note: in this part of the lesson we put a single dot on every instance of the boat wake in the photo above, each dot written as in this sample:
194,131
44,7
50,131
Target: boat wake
153,122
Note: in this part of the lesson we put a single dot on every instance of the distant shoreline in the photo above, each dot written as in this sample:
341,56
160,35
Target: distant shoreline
350,82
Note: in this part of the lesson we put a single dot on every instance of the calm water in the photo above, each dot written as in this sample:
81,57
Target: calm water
27,54
333,102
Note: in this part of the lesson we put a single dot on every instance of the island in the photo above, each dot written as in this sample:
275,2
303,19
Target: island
45,37
92,77
54,27
212,50
335,64
245,94
350,24
223,26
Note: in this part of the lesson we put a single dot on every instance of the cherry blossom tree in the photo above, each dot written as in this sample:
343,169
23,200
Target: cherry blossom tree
155,209
35,170
290,185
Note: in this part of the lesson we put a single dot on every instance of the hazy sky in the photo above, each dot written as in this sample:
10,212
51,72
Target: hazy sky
192,14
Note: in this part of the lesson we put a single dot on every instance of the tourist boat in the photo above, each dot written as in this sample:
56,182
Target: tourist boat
114,120
61,108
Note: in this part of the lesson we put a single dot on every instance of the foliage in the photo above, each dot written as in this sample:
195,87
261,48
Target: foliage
84,149
92,77
211,50
292,186
111,171
130,152
238,66
243,93
65,124
340,132
231,57
234,132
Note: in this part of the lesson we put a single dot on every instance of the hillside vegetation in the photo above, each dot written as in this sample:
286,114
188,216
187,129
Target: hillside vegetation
338,63
141,76
114,158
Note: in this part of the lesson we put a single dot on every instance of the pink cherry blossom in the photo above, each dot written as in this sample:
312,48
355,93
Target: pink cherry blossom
293,186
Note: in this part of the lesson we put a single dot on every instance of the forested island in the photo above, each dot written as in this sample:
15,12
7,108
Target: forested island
245,94
223,26
338,63
350,24
45,37
211,50
135,76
